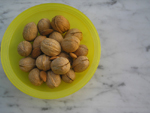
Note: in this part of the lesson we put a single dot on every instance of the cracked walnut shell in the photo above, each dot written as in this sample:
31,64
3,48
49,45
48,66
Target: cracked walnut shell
74,32
69,76
60,65
80,64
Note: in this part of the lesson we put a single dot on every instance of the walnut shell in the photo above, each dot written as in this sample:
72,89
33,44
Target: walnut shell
60,65
34,77
50,47
43,24
69,76
80,64
53,80
82,50
70,44
43,62
74,32
30,31
56,36
26,64
37,41
60,24
24,48
66,55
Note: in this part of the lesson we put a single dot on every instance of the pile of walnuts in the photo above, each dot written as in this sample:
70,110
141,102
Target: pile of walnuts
55,54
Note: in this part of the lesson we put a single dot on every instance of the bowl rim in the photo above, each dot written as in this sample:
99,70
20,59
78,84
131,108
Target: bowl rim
22,86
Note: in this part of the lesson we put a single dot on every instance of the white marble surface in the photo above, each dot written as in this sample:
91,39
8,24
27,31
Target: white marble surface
121,83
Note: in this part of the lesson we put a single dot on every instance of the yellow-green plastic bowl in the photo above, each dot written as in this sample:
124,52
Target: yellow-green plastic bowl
13,36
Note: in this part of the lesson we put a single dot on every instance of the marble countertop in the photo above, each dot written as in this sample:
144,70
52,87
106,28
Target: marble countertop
121,83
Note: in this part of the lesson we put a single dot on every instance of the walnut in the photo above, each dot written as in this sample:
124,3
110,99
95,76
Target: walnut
53,80
70,44
24,48
37,41
60,65
50,47
60,24
82,50
56,36
43,24
66,55
30,31
69,76
26,64
43,62
74,32
80,64
34,77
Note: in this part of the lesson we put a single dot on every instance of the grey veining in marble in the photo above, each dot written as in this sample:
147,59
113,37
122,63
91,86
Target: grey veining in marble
121,83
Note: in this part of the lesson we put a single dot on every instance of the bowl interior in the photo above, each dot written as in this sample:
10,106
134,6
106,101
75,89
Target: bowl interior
13,36
17,37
